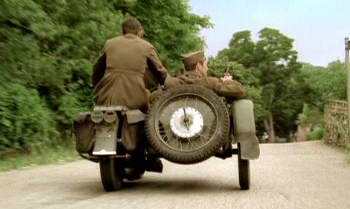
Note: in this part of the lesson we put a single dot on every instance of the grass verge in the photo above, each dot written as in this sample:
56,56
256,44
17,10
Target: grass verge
49,155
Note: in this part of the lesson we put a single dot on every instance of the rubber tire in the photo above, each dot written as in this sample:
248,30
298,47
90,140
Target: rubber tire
203,153
112,173
243,171
135,175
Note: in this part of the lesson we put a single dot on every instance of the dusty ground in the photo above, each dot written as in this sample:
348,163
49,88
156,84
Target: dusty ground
300,175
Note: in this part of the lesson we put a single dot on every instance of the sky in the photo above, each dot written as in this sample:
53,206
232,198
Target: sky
318,27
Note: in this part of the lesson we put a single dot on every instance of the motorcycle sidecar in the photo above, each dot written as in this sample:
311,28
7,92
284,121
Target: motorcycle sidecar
190,123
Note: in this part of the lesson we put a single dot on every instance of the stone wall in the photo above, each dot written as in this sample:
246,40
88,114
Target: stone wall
336,122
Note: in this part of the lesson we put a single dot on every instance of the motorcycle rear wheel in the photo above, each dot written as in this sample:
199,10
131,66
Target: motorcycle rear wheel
112,173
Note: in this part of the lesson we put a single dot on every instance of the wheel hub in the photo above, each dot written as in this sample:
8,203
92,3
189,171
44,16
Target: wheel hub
186,122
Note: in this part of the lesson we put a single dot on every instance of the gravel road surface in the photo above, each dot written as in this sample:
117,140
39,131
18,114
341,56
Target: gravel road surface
297,175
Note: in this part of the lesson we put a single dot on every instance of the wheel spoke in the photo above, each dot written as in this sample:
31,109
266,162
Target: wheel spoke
202,139
172,143
165,138
186,100
190,143
207,128
181,146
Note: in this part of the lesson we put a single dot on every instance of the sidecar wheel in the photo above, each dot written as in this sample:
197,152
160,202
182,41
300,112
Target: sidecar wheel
243,171
187,124
112,173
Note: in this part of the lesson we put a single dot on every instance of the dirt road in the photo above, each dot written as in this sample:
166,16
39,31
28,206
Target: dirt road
300,175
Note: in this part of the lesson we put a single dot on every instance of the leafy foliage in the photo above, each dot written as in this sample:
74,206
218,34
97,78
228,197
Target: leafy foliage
313,117
47,49
271,72
310,116
326,83
25,122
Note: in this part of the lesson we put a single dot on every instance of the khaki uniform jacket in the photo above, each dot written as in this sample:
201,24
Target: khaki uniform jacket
119,80
122,83
229,89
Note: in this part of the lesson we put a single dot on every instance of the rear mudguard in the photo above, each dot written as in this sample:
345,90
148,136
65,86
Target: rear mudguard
110,134
244,129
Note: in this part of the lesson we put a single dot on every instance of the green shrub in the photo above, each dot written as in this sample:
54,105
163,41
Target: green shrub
316,134
25,121
47,50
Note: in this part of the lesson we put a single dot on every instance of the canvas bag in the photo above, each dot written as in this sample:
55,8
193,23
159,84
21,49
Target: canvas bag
84,132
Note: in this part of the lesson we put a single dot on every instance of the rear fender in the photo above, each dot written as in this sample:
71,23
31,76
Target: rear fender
107,123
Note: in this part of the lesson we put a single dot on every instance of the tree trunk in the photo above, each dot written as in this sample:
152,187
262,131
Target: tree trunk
270,129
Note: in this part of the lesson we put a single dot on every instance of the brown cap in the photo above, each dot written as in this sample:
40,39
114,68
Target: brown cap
192,58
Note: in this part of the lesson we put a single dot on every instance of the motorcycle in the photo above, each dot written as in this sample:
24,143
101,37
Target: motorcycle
186,125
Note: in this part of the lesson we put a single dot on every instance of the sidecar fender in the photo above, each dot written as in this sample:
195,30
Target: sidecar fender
244,128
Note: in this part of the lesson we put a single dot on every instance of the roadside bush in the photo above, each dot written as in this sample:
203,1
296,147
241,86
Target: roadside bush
316,134
48,48
25,121
312,116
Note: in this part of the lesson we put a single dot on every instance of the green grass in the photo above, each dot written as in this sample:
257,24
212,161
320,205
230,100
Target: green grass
44,156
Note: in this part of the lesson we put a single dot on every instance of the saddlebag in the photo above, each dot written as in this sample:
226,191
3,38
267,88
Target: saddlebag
96,132
84,132
244,128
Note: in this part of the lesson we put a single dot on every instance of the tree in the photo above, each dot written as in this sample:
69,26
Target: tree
326,83
48,48
274,74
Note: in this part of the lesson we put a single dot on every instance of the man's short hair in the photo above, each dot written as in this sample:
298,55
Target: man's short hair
131,25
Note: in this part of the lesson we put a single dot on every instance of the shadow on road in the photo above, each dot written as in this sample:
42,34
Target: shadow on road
178,185
158,185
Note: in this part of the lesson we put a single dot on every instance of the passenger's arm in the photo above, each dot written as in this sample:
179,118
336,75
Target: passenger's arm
230,89
172,81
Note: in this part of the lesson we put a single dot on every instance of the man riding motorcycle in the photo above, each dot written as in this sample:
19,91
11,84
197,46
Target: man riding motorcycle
119,80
